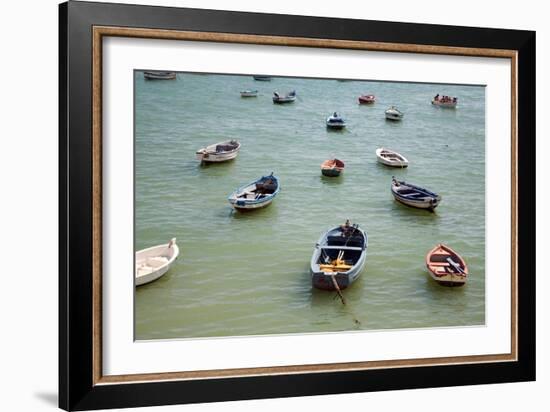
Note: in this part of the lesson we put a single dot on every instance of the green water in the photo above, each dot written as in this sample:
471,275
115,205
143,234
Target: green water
247,274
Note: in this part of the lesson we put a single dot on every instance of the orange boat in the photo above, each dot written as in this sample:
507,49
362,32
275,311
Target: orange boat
446,266
332,167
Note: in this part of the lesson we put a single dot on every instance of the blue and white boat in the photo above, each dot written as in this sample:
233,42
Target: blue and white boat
414,196
255,195
339,257
336,122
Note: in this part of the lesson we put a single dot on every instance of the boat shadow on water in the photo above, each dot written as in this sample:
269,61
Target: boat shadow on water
331,180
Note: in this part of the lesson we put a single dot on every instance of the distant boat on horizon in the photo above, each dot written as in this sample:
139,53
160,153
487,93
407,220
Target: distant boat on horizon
262,78
151,75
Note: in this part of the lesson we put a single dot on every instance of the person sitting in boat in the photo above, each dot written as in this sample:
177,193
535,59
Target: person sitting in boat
436,98
276,94
335,115
454,99
394,181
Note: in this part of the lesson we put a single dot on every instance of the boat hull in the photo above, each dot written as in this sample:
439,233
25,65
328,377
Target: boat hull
283,100
240,201
215,158
324,280
449,105
331,172
439,268
159,76
394,117
399,160
429,202
217,153
146,270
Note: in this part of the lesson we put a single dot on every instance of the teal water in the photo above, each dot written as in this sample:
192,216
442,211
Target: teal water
247,274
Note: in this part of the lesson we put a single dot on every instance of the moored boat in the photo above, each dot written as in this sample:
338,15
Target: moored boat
219,152
367,99
287,98
249,93
391,158
332,167
150,75
414,196
155,261
392,113
446,266
255,195
339,257
335,121
262,78
445,101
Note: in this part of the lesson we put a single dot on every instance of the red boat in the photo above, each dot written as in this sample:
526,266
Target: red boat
446,266
332,167
367,99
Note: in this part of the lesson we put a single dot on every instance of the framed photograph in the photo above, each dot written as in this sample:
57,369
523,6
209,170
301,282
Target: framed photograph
256,206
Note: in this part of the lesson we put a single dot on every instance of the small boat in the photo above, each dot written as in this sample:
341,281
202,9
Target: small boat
445,101
332,167
335,122
391,158
339,257
414,196
159,75
219,152
249,93
367,99
446,266
155,261
288,98
255,195
393,114
262,78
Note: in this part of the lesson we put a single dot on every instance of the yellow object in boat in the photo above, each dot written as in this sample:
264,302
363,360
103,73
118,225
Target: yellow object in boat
337,265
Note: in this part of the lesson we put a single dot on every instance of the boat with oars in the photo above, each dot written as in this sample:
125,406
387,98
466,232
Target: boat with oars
332,167
339,257
249,93
219,152
155,261
391,158
335,122
392,113
446,266
414,196
150,75
255,195
287,98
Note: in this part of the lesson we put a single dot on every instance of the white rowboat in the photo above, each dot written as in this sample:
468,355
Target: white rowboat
219,152
155,261
390,158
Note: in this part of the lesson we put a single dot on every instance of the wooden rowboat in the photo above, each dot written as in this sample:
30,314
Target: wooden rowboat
414,196
288,98
392,113
339,257
249,93
155,261
219,152
255,195
367,99
332,167
391,158
446,266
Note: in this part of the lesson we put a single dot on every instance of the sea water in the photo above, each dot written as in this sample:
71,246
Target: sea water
248,274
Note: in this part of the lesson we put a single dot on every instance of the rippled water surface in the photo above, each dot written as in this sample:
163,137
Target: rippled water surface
247,274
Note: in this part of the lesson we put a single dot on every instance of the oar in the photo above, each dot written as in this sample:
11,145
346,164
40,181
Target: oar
456,266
